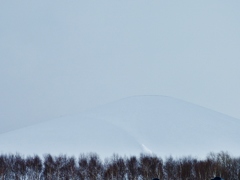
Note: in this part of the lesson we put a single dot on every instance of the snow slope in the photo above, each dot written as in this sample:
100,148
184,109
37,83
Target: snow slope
152,124
70,135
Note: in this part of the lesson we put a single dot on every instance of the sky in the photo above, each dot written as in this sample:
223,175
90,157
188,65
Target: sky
63,57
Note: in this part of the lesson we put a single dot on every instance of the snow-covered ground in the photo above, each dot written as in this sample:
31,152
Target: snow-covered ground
151,124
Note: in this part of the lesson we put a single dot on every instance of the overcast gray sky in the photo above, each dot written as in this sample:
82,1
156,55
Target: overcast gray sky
62,57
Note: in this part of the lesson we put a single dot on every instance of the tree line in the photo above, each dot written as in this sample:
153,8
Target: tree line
143,167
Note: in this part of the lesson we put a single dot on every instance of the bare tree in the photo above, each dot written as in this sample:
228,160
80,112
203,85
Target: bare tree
70,169
18,166
144,167
115,168
95,167
132,168
156,168
49,168
4,168
213,168
90,167
185,168
82,170
170,169
34,167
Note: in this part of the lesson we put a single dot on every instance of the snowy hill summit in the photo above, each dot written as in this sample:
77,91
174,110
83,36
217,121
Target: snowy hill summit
141,124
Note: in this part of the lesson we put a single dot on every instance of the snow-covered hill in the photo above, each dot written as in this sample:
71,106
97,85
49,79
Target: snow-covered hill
158,124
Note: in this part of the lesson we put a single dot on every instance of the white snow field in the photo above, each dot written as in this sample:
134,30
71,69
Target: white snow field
151,124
